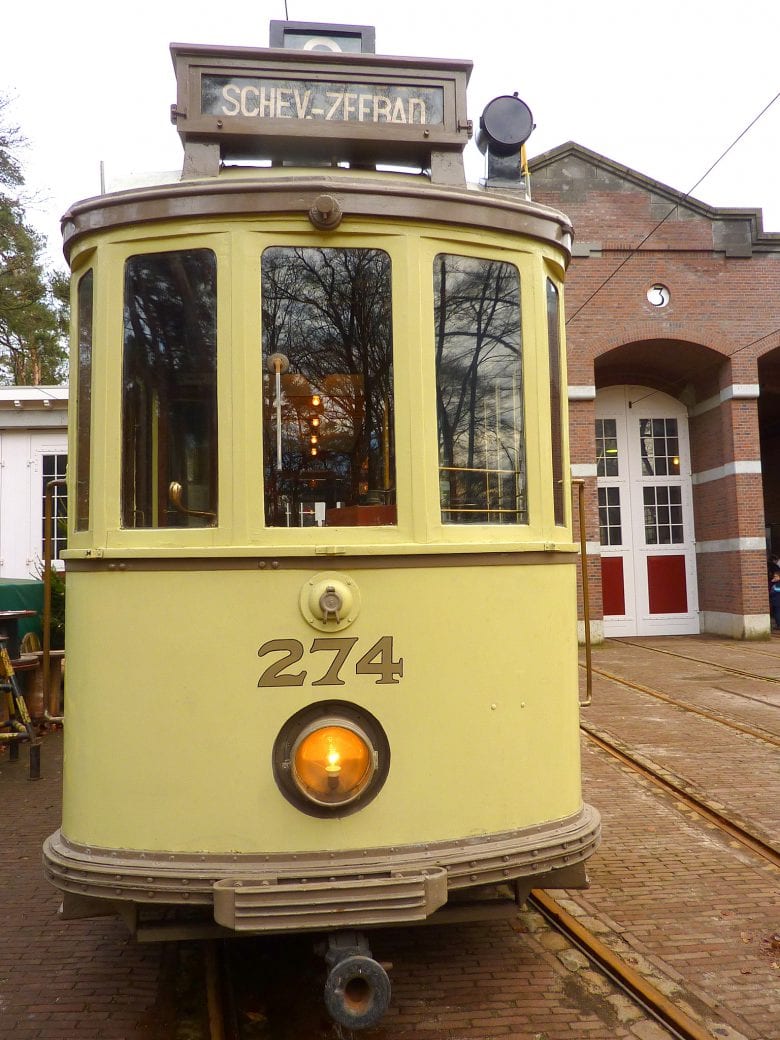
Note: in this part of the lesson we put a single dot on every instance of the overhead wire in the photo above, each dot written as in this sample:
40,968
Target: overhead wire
663,220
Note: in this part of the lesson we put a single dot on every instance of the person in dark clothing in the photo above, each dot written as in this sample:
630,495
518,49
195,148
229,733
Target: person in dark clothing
774,596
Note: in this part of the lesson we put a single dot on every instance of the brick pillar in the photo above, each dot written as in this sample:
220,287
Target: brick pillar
729,513
583,451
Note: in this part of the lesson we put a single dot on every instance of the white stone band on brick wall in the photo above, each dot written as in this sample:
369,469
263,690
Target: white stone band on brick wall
730,469
731,545
738,391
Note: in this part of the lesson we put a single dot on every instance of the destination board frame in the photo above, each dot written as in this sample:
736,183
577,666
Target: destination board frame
293,132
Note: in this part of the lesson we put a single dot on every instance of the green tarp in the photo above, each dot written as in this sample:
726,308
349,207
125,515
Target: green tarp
23,594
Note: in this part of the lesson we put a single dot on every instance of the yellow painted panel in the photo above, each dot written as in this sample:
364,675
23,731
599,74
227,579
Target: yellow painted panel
169,738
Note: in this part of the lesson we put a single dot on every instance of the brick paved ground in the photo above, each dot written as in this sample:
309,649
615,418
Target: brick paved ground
61,981
735,769
675,899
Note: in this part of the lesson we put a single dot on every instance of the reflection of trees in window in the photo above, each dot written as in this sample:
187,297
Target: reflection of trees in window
84,399
169,422
556,423
479,389
327,313
659,447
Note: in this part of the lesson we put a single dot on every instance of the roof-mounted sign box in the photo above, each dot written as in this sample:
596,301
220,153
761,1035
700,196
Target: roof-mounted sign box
320,36
306,106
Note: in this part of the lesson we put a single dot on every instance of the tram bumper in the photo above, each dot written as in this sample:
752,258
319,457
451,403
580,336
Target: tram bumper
328,900
321,890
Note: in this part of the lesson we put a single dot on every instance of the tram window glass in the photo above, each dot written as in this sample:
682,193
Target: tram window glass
328,443
169,420
479,391
554,348
84,300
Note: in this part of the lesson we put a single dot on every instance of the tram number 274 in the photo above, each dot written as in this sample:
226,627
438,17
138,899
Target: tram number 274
377,660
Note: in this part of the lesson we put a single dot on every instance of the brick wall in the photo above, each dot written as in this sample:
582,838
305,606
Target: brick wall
718,339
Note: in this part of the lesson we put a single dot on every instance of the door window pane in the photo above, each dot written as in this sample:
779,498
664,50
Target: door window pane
169,419
479,391
610,526
607,464
663,515
328,438
660,447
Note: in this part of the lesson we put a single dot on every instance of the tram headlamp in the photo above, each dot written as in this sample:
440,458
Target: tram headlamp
332,762
331,758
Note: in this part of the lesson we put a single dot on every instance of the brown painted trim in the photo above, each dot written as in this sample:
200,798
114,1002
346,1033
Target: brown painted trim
327,560
405,198
121,875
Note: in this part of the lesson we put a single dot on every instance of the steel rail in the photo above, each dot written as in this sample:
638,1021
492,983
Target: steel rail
702,660
725,720
745,837
639,989
220,1000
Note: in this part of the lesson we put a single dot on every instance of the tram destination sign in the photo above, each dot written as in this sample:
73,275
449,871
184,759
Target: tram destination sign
329,101
283,104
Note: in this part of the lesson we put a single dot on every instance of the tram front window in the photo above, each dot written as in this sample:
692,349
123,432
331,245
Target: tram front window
479,391
169,415
328,441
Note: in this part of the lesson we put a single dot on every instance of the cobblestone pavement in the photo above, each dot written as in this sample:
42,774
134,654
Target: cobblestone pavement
675,899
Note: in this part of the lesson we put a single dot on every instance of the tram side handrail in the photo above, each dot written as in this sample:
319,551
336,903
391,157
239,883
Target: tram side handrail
585,594
51,709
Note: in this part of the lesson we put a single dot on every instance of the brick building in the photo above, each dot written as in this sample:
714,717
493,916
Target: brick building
674,386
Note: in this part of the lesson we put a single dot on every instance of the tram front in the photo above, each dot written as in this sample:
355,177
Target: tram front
320,456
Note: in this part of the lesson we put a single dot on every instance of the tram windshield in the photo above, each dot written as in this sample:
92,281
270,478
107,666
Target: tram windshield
328,443
479,391
169,415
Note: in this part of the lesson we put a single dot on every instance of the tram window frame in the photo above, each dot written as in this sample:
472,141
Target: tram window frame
169,457
554,345
85,325
344,476
465,516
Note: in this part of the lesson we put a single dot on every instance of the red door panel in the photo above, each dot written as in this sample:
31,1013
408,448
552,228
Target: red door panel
666,585
612,588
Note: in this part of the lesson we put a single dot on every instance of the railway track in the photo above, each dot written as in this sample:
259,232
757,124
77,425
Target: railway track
703,660
666,780
677,1021
708,713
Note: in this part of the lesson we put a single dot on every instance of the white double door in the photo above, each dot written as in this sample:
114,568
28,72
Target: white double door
648,555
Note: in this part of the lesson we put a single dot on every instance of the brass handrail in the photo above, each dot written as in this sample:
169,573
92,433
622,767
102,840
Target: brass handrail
585,595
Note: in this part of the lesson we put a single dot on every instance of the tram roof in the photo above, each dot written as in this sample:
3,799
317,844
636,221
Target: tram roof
240,191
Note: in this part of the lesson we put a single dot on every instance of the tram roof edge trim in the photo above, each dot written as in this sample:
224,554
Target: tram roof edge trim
270,192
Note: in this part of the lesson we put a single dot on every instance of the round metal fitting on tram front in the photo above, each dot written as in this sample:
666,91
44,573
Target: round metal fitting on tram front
330,601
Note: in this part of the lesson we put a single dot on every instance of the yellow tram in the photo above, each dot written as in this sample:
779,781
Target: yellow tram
321,632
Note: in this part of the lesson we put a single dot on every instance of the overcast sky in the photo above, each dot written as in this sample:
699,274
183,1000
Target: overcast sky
662,87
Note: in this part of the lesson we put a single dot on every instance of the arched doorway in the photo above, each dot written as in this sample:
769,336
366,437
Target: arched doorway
648,554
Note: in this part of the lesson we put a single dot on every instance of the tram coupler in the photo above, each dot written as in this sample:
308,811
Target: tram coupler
357,988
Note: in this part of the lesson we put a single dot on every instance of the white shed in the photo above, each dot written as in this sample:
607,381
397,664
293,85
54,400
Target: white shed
33,450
